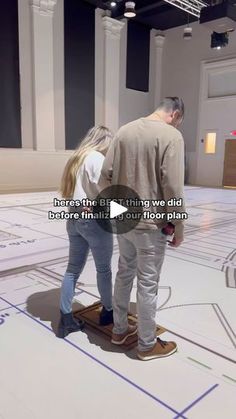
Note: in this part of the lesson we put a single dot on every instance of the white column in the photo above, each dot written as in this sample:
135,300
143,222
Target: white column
112,31
59,79
43,74
159,43
99,67
25,59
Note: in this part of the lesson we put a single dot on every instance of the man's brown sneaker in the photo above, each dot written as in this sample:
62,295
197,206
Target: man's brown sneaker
160,350
120,339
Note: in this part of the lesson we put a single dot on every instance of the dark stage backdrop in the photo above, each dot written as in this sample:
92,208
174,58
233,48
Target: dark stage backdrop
10,113
138,48
79,70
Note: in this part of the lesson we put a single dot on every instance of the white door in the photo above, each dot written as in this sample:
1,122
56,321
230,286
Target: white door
217,118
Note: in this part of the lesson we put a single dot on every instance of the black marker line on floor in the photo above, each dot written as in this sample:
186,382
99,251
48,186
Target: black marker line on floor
198,362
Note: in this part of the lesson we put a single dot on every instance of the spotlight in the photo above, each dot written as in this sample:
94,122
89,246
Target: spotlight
219,40
187,35
130,9
113,4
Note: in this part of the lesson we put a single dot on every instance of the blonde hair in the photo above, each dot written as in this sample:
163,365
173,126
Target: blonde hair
97,139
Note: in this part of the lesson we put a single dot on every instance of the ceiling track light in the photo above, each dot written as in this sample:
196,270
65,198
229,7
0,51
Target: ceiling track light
187,35
130,9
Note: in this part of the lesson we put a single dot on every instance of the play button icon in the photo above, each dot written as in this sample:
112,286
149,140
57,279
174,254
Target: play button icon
116,209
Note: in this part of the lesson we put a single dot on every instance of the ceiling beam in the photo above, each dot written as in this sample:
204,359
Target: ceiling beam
192,7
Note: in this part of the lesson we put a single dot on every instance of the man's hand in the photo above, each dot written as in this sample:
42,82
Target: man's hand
87,209
176,242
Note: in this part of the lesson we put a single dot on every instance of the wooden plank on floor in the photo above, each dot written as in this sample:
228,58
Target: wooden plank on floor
90,315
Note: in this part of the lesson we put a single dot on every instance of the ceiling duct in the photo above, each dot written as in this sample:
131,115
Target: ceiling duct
220,17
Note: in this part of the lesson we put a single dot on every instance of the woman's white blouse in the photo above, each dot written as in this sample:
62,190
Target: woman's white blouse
88,176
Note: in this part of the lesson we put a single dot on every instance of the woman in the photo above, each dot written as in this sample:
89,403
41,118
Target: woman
79,181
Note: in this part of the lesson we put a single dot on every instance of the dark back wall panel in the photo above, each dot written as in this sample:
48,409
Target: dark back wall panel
79,70
138,47
10,118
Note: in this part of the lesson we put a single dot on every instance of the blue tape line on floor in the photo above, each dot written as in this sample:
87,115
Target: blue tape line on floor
196,401
101,363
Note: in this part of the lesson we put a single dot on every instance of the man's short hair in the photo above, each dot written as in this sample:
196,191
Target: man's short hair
171,104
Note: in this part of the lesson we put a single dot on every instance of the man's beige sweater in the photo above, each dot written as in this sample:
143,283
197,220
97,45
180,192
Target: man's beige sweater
148,157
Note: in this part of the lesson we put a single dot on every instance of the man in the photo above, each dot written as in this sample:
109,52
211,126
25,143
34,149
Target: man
147,156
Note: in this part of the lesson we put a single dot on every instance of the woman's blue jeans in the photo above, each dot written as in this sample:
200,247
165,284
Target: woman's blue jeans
85,235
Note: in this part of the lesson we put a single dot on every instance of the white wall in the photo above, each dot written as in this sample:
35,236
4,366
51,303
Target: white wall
40,162
181,77
181,67
28,168
217,114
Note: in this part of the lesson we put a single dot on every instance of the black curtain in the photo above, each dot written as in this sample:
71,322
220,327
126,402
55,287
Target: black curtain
10,117
79,70
138,48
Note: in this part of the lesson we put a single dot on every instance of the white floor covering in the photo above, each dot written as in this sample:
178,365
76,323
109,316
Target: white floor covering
83,376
